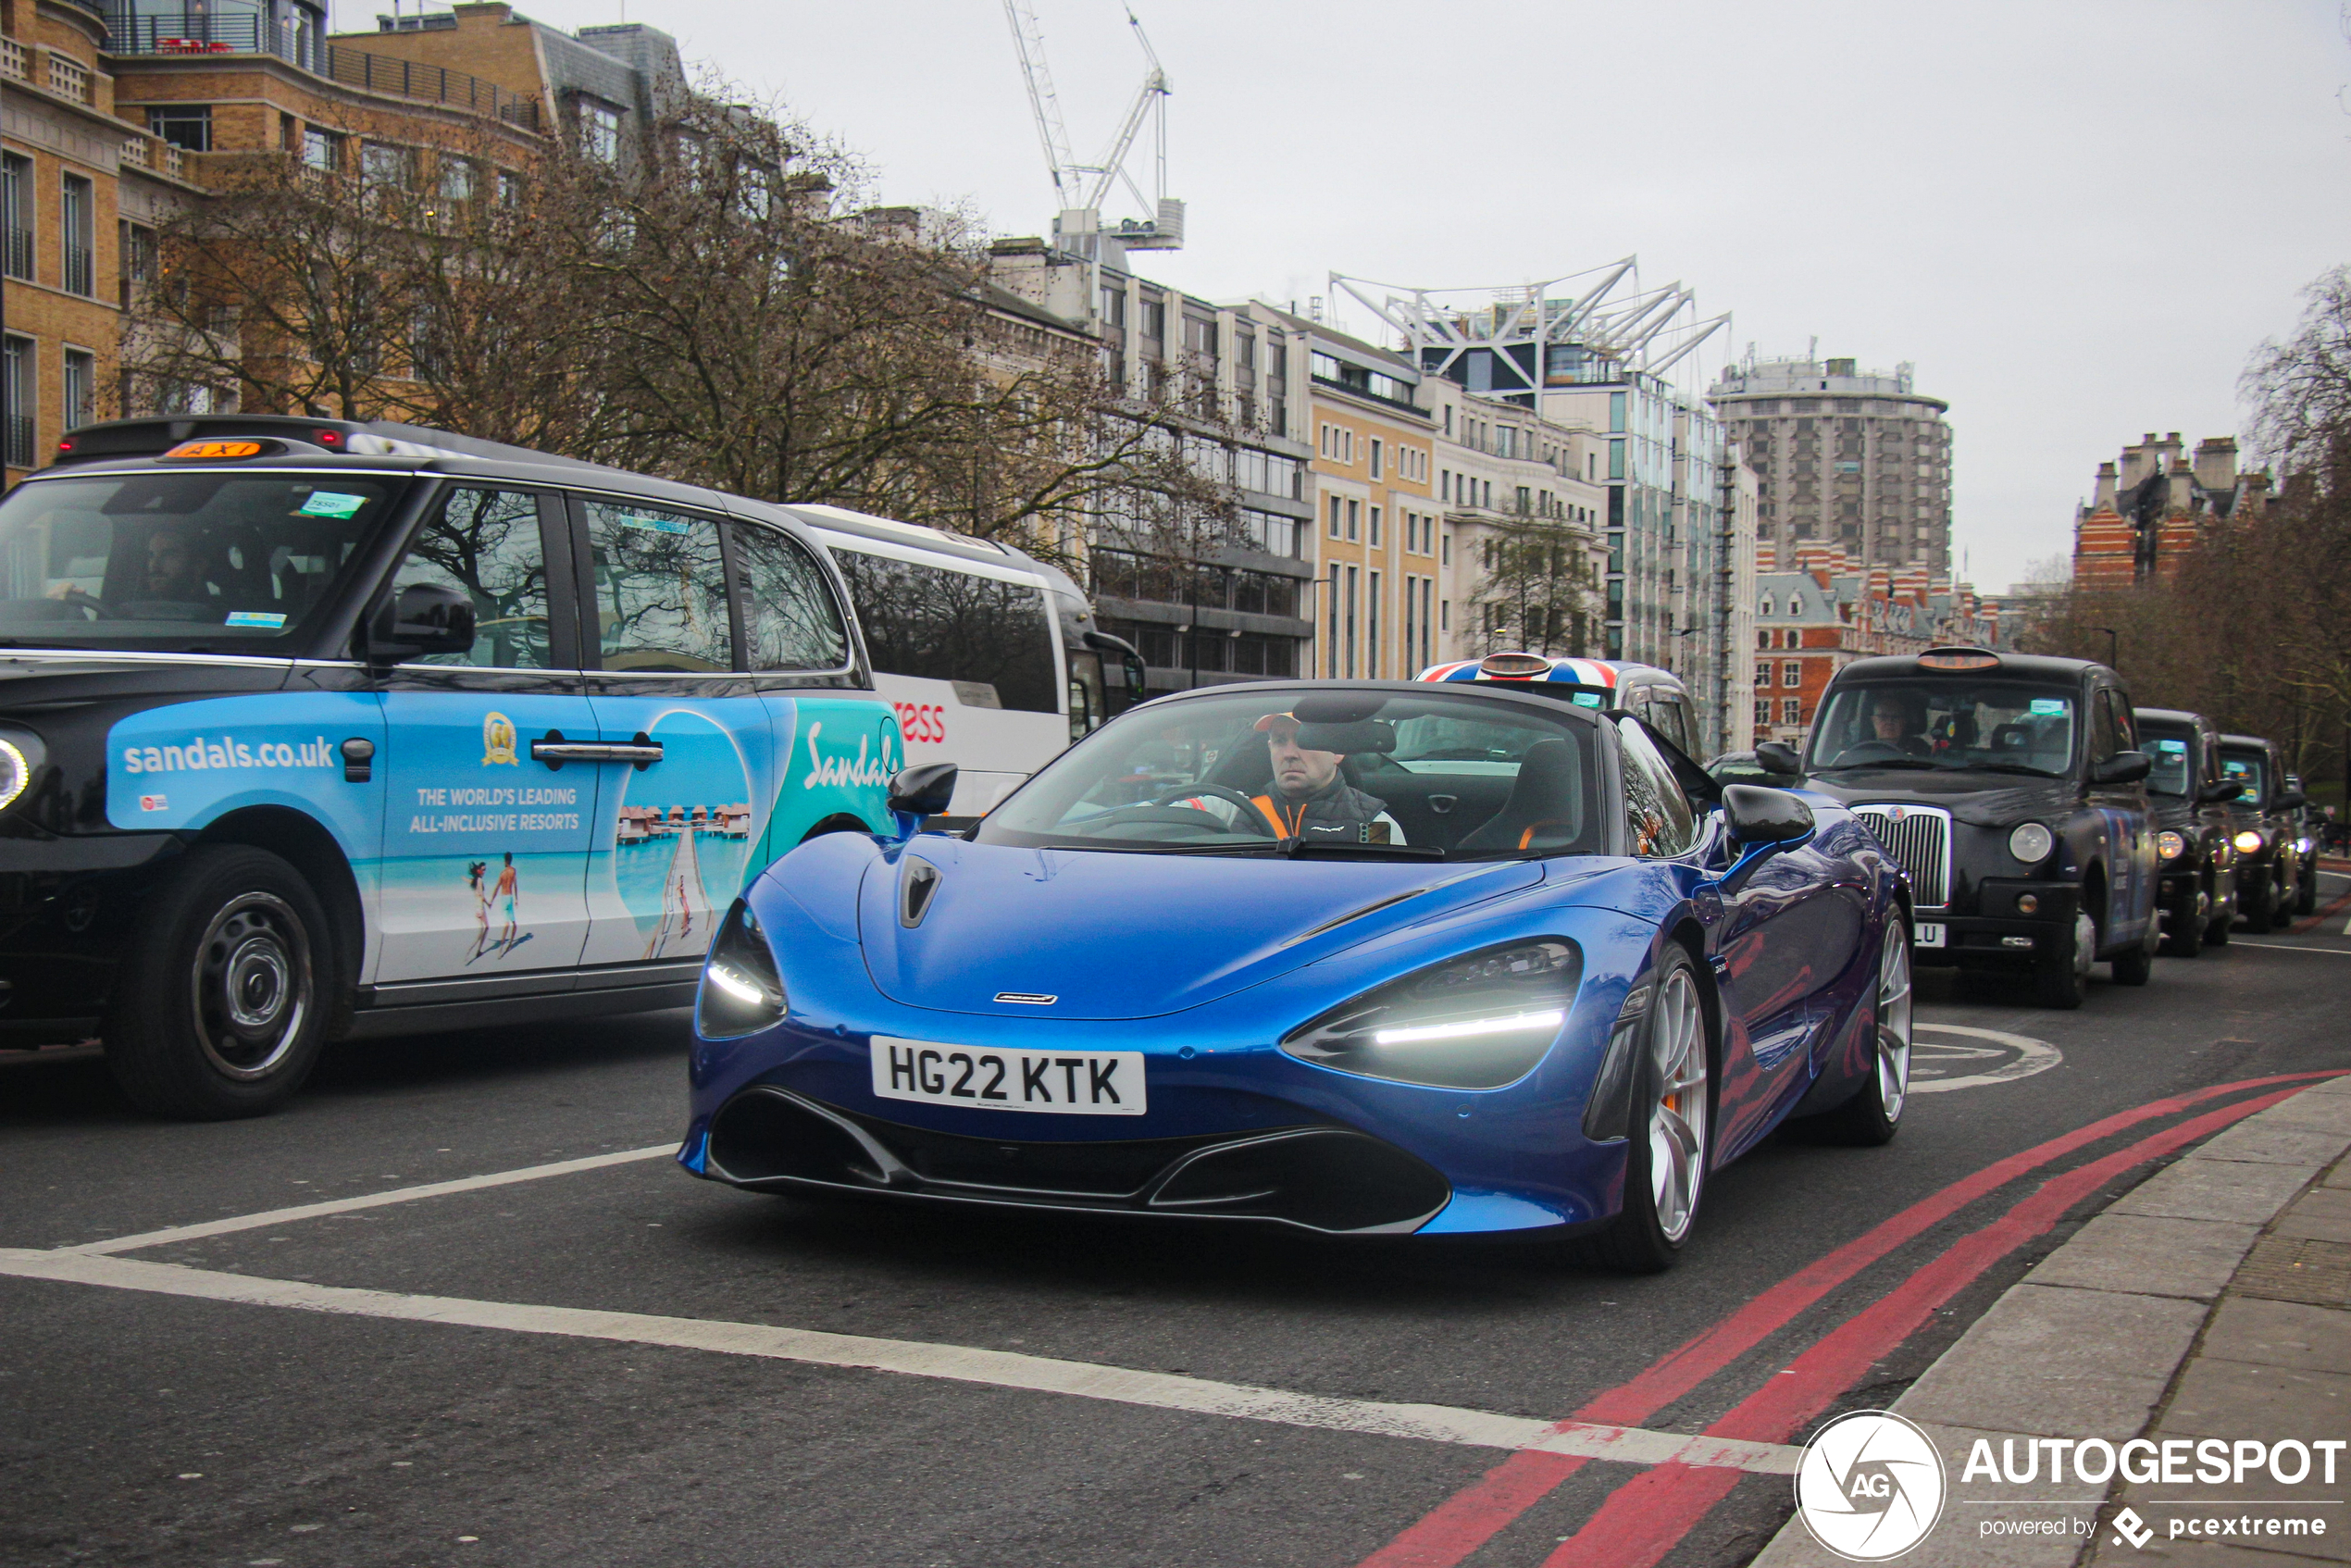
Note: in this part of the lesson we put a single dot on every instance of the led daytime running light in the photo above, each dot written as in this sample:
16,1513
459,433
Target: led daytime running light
741,987
15,774
1550,1018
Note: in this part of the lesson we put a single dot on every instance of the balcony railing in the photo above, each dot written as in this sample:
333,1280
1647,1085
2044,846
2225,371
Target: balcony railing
19,441
15,252
68,78
81,274
195,32
15,61
162,156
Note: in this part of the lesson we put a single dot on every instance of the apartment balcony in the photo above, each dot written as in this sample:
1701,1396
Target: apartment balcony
196,32
161,157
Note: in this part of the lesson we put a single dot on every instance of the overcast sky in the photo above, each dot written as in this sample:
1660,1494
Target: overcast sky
2076,219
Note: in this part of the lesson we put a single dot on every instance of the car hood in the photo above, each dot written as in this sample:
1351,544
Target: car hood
1981,800
1135,936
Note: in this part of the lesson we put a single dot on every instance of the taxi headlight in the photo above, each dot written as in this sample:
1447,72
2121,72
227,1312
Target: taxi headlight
2247,842
2170,845
1478,1021
16,772
742,992
2031,844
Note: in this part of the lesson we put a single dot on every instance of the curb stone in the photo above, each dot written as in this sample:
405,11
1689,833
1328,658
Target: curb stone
2130,1327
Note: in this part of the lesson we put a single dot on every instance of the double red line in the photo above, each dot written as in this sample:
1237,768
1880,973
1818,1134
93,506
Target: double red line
1645,1518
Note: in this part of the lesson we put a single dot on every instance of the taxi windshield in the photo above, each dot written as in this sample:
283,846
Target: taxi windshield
1308,772
194,561
1952,724
2169,753
2246,768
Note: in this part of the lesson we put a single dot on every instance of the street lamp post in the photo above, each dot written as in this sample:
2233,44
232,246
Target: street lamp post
2113,645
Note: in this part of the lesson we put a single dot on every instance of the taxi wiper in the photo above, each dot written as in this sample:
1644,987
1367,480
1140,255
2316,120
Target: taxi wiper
2011,767
1880,761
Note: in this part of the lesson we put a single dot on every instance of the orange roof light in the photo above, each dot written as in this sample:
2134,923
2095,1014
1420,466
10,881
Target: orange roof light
204,451
1958,658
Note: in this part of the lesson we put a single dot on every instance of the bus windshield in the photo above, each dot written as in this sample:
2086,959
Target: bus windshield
1949,724
1303,771
199,561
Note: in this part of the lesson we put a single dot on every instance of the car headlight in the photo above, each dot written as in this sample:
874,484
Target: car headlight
741,993
2247,842
1478,1021
16,772
2031,844
2170,845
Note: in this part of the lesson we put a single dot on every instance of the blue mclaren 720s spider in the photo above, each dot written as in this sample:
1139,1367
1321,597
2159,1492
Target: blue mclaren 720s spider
1356,957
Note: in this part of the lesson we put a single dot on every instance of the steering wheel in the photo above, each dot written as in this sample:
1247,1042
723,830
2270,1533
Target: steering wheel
1869,750
1250,813
97,609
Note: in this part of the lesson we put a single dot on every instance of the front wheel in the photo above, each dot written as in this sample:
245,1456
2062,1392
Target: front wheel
1875,1116
2281,905
2185,939
2306,900
221,1005
1671,1128
2253,902
2062,978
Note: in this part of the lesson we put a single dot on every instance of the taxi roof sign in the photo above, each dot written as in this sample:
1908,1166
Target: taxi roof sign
216,450
1958,658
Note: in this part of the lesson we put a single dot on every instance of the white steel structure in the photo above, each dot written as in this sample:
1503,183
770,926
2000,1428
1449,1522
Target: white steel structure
1082,189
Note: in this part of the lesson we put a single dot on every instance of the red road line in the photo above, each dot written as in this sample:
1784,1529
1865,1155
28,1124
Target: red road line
1643,1519
1466,1521
2304,927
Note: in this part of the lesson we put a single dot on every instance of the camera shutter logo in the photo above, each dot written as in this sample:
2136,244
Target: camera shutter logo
1871,1485
498,741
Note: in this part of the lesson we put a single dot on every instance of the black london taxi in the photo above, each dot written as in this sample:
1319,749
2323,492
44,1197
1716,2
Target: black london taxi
2196,890
2268,841
2309,826
2012,790
309,730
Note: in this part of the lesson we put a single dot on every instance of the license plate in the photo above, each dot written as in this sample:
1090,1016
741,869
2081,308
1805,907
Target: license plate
1926,934
1081,1083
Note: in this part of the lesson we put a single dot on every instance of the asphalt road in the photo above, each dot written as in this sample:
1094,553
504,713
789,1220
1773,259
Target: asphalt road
547,1407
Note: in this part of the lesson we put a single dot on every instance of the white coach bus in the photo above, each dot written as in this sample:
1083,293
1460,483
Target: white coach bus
990,658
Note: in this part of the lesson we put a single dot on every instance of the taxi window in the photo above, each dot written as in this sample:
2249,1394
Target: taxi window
2105,738
485,543
2170,756
789,621
2249,771
661,589
199,560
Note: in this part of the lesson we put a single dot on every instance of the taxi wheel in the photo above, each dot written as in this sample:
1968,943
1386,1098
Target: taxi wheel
2281,906
221,1009
2252,903
1670,1141
2136,966
2062,978
2185,939
2306,900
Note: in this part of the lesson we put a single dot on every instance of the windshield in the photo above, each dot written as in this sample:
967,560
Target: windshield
2170,756
1310,773
2000,726
195,562
2250,771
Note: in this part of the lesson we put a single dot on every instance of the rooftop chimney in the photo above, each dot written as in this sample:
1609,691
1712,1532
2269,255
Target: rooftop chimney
2104,499
2216,464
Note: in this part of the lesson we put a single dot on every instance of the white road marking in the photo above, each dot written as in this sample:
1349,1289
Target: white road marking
2032,1056
367,1201
1001,1369
2288,947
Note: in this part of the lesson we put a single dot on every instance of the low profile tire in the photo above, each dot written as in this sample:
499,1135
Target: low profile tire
221,1008
1875,1116
1671,1134
2185,939
2062,979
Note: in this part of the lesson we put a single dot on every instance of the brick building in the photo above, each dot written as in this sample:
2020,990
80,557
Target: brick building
1812,621
2149,509
116,113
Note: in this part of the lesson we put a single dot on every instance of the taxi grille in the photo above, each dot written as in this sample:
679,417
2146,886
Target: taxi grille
1920,839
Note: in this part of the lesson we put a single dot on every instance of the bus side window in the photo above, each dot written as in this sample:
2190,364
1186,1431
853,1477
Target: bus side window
937,622
790,620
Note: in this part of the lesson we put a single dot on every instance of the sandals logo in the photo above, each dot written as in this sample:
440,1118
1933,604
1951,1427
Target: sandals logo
498,741
864,768
1870,1486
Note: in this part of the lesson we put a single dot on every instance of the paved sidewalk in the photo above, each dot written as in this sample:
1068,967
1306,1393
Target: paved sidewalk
2213,1301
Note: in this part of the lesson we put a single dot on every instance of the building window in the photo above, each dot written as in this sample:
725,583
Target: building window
1354,590
80,387
1376,473
1791,673
387,168
1354,526
1375,511
1791,711
77,225
19,399
1763,711
599,130
1370,629
16,214
458,179
1445,614
1330,613
1155,319
321,151
1449,550
138,259
1764,675
509,187
1334,516
186,126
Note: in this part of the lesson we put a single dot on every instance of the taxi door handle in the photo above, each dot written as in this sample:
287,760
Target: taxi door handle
554,751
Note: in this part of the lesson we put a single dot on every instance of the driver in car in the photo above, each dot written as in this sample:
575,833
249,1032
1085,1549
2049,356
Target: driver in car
1307,797
1890,725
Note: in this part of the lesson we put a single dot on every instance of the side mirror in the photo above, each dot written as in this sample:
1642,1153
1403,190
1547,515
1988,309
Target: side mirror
1759,815
427,617
2122,768
1780,757
919,792
1138,681
2219,791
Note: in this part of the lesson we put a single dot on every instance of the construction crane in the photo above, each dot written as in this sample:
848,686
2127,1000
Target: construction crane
1082,189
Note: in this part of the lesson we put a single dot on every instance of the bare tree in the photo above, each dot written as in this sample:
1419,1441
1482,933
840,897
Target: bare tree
1535,589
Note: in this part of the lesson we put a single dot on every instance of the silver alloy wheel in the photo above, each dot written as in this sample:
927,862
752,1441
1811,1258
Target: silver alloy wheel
1894,1023
251,985
1677,1122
